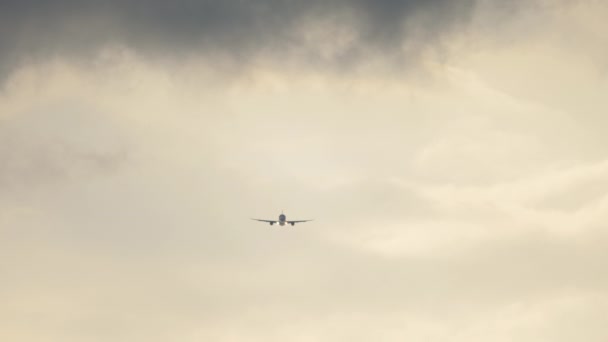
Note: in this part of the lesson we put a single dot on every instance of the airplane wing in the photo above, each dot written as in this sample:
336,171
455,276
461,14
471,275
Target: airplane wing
267,221
293,222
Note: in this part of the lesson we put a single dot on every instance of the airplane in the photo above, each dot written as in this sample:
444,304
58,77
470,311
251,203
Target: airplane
282,220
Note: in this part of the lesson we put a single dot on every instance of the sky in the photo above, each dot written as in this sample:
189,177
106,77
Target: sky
452,153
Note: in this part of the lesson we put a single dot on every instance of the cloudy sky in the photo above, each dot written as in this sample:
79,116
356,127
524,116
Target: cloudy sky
453,154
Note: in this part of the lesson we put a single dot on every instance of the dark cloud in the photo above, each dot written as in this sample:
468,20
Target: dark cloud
234,31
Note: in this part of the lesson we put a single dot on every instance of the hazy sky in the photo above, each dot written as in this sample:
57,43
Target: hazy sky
453,154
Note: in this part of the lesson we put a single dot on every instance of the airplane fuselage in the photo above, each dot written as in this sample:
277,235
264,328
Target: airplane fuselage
282,219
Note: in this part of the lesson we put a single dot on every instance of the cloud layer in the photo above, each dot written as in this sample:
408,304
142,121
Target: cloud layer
470,207
337,34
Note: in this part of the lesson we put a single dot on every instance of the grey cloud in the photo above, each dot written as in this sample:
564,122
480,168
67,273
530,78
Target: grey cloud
237,31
